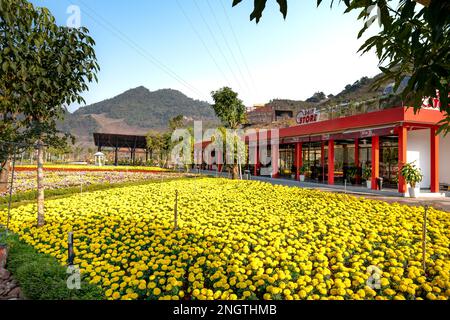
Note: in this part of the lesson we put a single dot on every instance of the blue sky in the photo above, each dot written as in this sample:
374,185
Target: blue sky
182,44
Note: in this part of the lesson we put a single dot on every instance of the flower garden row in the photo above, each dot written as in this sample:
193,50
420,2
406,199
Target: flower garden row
26,180
55,167
243,240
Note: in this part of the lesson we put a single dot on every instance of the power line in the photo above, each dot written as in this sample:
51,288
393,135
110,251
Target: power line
140,50
238,45
228,45
217,43
202,41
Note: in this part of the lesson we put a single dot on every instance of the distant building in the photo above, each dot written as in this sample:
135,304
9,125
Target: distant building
276,110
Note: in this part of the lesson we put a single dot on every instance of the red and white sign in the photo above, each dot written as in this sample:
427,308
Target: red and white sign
308,116
432,102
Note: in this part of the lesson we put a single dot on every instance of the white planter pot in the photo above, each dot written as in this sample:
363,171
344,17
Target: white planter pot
369,184
302,178
414,192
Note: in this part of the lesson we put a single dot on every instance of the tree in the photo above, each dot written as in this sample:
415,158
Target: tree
176,122
44,67
231,111
414,41
155,144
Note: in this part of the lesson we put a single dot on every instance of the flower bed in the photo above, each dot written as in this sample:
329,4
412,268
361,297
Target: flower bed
92,168
26,180
243,240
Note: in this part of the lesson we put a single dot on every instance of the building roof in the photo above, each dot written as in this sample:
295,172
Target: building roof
120,141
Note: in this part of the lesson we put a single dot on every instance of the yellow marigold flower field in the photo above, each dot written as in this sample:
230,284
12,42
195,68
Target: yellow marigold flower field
244,240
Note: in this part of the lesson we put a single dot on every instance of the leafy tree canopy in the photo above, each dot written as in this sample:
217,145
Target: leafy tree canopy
43,67
228,107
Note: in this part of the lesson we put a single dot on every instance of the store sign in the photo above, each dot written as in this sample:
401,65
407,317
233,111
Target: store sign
308,116
366,133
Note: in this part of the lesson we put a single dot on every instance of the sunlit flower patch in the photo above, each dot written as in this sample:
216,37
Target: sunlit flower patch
244,240
26,180
76,167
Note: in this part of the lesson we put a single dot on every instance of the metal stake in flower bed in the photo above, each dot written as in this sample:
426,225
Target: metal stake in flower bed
70,251
424,238
175,210
11,188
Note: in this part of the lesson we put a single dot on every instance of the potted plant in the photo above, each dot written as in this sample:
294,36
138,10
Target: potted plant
303,170
367,175
351,174
413,176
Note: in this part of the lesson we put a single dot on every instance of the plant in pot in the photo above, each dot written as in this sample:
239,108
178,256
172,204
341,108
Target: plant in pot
303,169
367,175
413,176
351,174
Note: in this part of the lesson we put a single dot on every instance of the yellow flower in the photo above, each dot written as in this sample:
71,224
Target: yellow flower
156,291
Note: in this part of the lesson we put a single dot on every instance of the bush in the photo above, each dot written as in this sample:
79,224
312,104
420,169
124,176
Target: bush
41,277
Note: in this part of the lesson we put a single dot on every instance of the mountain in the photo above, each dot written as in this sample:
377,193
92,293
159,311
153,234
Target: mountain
135,111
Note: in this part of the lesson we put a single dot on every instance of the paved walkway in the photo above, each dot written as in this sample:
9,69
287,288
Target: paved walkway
387,195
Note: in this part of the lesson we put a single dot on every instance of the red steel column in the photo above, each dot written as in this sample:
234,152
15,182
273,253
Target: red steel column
358,178
322,160
434,160
275,158
375,161
331,161
298,159
402,147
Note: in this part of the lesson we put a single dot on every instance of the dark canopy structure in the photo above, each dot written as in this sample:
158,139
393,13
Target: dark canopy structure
119,141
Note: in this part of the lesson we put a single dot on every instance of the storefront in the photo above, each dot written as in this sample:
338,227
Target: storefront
339,150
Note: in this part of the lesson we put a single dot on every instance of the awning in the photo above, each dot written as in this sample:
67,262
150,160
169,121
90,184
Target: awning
353,134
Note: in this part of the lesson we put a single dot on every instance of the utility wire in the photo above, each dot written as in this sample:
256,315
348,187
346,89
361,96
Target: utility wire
202,41
228,45
140,50
238,45
217,44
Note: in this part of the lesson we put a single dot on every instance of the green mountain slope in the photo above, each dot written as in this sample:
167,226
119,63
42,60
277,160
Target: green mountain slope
135,111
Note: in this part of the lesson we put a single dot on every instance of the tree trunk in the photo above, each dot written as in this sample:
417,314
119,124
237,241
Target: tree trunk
235,172
4,173
40,185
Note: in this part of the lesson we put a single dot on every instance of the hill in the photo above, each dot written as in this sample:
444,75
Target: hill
135,111
282,112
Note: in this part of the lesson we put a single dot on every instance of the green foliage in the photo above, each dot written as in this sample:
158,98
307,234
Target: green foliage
367,173
228,107
43,67
41,277
260,5
414,41
176,122
412,174
303,169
